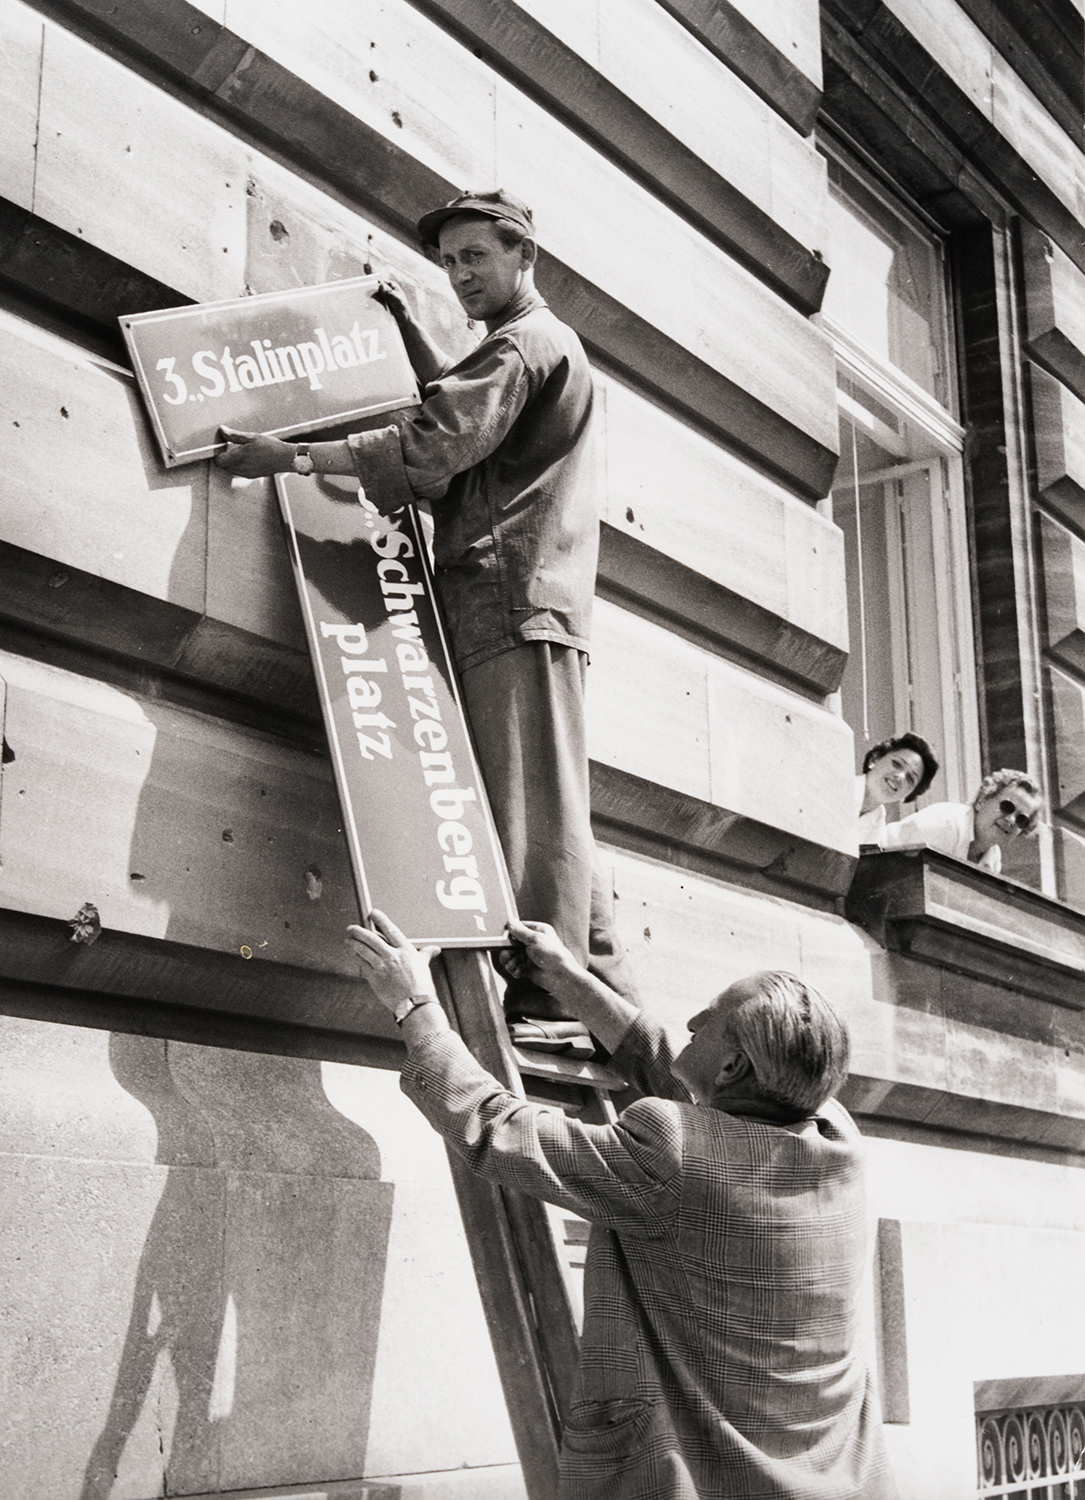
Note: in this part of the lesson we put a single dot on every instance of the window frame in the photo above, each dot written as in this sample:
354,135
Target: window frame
937,425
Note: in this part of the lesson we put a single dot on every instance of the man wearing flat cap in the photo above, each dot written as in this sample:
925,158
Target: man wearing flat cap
501,449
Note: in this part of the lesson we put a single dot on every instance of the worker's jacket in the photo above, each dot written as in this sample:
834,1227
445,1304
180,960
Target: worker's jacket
502,448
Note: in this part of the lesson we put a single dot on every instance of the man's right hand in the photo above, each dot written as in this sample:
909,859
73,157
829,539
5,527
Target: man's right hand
391,297
539,954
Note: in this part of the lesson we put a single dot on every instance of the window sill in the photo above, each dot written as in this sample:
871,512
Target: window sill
942,911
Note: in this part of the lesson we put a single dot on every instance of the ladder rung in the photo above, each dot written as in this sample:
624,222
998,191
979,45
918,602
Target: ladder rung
568,1069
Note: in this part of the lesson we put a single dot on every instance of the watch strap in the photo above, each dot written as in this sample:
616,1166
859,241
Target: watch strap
413,1002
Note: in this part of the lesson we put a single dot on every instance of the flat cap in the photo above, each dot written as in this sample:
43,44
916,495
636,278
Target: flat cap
495,205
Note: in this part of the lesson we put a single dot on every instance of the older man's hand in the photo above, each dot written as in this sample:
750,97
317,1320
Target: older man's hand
395,969
538,953
254,455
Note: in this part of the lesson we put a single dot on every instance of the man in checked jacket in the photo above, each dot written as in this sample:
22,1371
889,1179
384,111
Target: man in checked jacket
721,1355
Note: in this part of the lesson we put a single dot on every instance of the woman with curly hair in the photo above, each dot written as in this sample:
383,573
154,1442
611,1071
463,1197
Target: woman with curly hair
1007,805
896,770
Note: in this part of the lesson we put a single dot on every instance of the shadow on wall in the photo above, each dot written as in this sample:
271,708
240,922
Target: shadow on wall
251,1346
249,1355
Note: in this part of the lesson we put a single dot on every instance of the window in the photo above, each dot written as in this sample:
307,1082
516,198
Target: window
899,495
891,295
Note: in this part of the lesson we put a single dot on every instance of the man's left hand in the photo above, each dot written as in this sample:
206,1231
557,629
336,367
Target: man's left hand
395,969
254,455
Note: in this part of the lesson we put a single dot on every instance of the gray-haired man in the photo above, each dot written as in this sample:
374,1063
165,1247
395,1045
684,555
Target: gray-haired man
721,1355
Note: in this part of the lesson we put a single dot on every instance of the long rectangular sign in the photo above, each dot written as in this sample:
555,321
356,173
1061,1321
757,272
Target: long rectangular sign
422,841
283,362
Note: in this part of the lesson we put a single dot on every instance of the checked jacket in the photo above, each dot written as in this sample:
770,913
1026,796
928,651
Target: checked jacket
720,1356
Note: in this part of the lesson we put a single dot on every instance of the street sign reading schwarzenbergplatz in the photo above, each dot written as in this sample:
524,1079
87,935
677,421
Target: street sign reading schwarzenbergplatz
283,362
422,842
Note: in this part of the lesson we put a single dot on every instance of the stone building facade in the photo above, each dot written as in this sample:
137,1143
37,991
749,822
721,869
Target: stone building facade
829,268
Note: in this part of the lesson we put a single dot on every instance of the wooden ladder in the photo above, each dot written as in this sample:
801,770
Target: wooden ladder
518,1264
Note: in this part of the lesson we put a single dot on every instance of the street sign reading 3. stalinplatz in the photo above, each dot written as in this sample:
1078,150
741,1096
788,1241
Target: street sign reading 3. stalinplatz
422,842
283,362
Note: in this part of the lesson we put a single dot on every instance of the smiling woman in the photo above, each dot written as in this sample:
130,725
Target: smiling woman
896,770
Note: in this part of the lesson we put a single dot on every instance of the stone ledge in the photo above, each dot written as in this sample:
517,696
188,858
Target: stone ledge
203,1027
651,819
97,615
1041,53
1028,1390
153,987
129,982
39,594
955,916
950,1114
665,590
729,36
69,278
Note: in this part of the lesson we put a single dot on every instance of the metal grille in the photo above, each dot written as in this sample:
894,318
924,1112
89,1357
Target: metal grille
1032,1453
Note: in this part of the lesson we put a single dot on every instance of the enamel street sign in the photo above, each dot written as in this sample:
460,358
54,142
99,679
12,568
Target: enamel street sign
422,841
284,362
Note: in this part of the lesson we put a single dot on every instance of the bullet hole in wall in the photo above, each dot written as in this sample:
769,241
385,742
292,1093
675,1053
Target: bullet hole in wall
9,754
278,230
397,119
86,925
227,835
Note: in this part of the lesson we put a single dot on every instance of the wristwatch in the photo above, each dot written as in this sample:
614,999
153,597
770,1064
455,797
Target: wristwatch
303,463
404,1008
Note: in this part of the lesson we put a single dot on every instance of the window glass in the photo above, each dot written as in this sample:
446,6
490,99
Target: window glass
886,284
902,671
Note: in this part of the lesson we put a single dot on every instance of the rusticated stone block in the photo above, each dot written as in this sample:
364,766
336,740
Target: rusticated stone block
1068,701
1064,582
1054,308
1059,424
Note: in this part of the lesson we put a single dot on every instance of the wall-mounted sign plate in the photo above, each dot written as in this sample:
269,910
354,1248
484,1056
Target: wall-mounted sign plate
422,841
284,362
